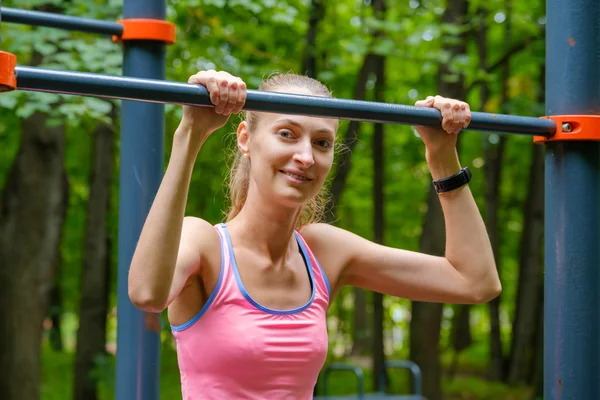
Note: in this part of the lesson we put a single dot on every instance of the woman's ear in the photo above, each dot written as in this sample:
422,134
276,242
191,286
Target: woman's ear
243,138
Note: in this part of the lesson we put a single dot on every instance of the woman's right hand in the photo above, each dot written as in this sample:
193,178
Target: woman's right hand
227,94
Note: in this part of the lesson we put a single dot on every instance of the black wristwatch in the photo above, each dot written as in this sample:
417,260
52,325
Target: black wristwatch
453,182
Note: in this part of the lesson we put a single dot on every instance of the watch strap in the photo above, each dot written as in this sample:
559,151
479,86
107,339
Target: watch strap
453,182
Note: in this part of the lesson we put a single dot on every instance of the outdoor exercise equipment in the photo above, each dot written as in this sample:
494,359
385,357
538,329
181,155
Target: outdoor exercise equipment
338,368
570,133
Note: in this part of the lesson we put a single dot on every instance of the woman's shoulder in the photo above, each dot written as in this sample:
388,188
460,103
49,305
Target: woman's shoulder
202,237
323,234
327,244
195,228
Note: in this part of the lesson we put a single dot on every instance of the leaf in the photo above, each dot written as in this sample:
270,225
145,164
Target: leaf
97,106
45,48
283,18
358,46
8,100
26,110
384,47
216,3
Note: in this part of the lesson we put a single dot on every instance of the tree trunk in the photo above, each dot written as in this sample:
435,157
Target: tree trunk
309,64
529,303
55,311
309,61
360,325
361,335
493,170
33,210
425,323
531,272
352,133
461,334
379,370
91,335
426,317
494,155
31,220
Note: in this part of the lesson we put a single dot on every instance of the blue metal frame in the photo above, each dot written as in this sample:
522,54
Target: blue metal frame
51,20
414,370
141,171
572,220
86,84
360,379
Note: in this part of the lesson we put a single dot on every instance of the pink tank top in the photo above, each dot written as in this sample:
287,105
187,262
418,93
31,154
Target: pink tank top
234,348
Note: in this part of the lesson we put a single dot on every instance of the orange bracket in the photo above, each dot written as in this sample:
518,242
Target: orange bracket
573,127
8,80
146,29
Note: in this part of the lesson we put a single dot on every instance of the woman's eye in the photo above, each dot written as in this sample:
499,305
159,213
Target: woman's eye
323,143
285,134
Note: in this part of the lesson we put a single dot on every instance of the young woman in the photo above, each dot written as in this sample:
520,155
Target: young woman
247,299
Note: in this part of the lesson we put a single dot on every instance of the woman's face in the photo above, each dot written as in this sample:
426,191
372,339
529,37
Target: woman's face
290,156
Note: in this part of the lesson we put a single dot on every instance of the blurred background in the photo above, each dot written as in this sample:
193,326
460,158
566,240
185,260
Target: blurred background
59,160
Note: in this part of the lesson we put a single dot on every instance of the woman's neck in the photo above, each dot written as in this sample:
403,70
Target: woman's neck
266,227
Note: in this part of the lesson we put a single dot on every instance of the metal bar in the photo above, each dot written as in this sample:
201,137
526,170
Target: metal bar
51,20
344,367
141,171
412,367
85,84
572,200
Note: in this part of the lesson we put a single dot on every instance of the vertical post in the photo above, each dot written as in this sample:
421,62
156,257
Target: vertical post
141,168
572,222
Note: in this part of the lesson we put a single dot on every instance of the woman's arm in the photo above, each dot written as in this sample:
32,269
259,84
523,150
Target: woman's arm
165,256
350,260
466,274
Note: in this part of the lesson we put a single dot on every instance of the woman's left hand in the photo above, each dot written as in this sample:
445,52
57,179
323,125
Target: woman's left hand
456,115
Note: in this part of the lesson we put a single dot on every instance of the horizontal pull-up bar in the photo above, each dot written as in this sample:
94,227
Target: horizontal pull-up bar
52,20
161,91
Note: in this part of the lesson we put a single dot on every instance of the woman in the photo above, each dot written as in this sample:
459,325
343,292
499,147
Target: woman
247,299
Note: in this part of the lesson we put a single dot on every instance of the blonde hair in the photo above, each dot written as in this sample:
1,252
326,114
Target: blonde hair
239,175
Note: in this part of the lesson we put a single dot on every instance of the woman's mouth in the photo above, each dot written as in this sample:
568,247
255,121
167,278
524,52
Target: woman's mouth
295,177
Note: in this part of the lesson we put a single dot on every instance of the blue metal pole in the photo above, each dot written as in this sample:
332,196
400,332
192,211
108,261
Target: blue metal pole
52,20
572,222
141,169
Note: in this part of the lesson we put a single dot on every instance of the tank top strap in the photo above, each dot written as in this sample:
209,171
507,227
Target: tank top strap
227,286
320,278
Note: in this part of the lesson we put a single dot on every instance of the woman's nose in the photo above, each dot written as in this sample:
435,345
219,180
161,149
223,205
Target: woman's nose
304,154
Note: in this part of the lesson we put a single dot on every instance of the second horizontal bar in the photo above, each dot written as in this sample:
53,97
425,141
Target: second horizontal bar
98,85
52,20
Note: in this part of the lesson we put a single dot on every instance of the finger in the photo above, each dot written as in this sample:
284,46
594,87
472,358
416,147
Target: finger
241,100
228,87
447,117
428,102
456,116
462,114
232,95
199,77
223,90
237,98
210,81
443,106
467,116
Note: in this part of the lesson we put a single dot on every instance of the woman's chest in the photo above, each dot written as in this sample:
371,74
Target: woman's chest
254,346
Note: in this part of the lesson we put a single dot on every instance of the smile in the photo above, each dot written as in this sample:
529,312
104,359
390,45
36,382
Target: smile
296,177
